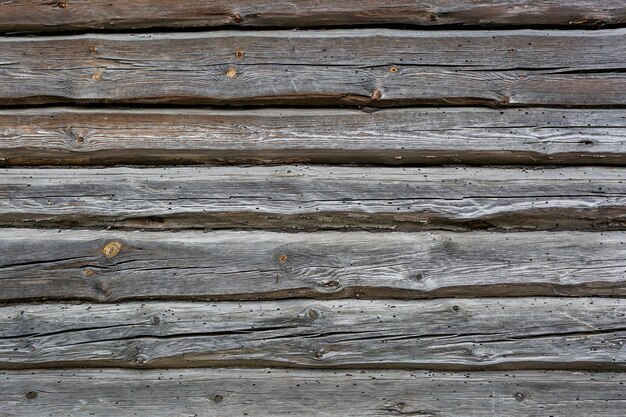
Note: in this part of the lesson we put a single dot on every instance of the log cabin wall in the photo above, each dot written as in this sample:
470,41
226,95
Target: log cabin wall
313,208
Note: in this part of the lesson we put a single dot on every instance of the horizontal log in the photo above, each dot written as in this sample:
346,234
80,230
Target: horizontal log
41,16
273,392
355,67
399,136
489,333
116,266
316,197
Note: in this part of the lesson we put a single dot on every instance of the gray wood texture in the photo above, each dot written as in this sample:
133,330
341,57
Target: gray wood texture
369,67
316,197
118,266
278,392
39,16
487,333
389,136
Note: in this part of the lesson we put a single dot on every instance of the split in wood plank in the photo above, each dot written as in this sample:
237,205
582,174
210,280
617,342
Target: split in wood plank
391,136
316,197
444,334
43,16
367,67
272,392
116,266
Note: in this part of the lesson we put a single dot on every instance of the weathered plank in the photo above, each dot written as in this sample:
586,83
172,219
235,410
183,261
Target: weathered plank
316,197
115,266
277,392
392,136
490,333
357,67
39,16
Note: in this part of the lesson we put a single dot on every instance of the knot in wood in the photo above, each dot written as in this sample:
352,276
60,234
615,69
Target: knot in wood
377,94
231,73
313,314
393,69
217,398
282,259
31,395
112,249
237,18
239,54
520,396
62,4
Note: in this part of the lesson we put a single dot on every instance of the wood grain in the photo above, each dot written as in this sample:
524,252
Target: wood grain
489,333
316,198
117,266
391,136
278,392
40,16
367,67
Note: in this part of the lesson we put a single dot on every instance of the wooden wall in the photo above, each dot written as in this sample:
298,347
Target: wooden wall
314,208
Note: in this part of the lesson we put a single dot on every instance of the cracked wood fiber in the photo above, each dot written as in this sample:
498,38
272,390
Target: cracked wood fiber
44,16
507,333
380,67
316,197
278,392
118,266
391,136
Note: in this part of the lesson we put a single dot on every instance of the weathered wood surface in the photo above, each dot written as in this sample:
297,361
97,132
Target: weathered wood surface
391,136
316,197
489,333
355,67
278,392
116,266
40,16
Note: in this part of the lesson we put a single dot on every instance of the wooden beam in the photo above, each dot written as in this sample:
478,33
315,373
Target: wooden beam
265,392
353,67
489,333
42,16
393,136
116,266
316,197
